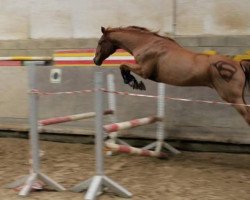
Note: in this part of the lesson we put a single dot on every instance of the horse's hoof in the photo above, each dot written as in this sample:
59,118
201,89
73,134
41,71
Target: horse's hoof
126,81
136,86
133,84
141,86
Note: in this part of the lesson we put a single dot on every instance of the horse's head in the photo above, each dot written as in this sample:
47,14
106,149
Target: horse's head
104,49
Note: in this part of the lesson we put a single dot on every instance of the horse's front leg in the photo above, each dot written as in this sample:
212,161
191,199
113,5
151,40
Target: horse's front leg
129,78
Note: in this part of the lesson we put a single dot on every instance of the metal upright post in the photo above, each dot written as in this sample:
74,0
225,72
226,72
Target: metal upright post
161,125
113,106
111,96
99,124
33,134
160,113
27,182
99,181
160,134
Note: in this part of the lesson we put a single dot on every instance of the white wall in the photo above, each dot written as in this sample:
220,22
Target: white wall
217,17
79,18
35,19
88,17
14,19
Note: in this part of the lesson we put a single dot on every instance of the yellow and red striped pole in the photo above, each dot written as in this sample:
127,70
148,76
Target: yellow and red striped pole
84,58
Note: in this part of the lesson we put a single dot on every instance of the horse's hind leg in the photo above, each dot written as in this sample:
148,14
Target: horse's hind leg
130,79
240,106
238,103
232,91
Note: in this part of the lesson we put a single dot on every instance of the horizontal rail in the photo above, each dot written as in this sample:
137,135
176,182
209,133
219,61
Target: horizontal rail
133,150
38,92
41,93
57,120
109,128
176,98
26,58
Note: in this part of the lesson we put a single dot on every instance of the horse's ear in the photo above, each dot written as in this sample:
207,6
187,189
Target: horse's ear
103,30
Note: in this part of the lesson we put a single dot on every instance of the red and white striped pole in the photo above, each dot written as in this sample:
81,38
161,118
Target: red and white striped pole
133,150
57,120
109,128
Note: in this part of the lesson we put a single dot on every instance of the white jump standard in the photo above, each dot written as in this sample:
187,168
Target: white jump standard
159,144
96,184
35,174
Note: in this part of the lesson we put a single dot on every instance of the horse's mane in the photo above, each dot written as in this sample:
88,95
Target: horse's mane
140,29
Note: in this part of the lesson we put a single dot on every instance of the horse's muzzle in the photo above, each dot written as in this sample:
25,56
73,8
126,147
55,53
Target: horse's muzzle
96,61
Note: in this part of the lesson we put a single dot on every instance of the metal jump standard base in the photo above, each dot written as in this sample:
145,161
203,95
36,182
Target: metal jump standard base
96,184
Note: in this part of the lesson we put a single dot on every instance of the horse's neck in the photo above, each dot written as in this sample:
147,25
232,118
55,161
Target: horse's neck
132,41
128,41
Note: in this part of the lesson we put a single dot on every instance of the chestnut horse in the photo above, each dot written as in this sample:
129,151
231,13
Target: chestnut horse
161,59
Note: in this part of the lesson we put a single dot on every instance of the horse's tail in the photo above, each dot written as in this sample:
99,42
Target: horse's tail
245,64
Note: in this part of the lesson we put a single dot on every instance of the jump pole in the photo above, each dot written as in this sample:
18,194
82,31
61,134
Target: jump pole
69,118
110,128
35,173
96,184
113,147
133,150
160,132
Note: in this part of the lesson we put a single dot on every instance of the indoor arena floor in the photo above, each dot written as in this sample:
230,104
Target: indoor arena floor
189,176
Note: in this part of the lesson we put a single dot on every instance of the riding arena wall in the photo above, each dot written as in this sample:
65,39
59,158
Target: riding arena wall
212,25
184,121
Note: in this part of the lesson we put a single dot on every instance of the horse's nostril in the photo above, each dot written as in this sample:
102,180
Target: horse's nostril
96,61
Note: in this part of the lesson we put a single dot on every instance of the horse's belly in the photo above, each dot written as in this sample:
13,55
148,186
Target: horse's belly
181,69
183,78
